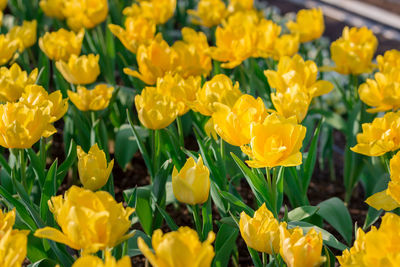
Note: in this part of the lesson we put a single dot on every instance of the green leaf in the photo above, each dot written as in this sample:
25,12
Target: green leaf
331,118
126,144
236,202
336,214
328,238
302,213
224,244
144,210
171,224
38,166
133,249
255,257
43,263
62,170
49,190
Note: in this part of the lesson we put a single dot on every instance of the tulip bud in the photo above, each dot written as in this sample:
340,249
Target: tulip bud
85,13
96,99
309,24
191,185
25,35
209,13
179,248
297,249
53,8
260,232
13,82
92,167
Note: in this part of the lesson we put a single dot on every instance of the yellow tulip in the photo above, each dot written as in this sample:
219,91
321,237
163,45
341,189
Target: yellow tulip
110,261
210,130
89,221
378,247
96,99
154,61
353,257
236,40
60,45
295,70
293,102
260,232
383,93
13,243
353,52
234,124
191,185
380,136
389,199
25,35
209,13
53,8
3,4
37,96
13,82
286,45
218,90
180,90
193,58
8,47
85,13
93,168
240,5
267,34
80,70
390,60
309,24
21,126
138,31
159,11
155,110
298,249
178,249
275,142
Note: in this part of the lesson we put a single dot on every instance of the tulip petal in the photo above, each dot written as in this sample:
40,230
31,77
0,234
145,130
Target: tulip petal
55,235
382,200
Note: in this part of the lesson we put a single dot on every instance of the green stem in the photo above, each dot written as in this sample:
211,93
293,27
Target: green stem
264,259
155,147
196,218
22,165
180,131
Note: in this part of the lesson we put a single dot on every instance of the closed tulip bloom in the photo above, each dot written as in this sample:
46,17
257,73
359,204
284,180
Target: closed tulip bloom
191,185
218,90
240,5
380,136
89,221
260,232
95,99
275,142
93,168
8,47
292,102
234,124
25,35
180,90
298,249
388,199
85,13
178,249
13,82
53,8
382,93
193,58
21,126
80,70
60,45
155,110
209,13
390,60
159,11
353,52
109,261
295,70
138,31
13,243
378,247
286,45
309,24
236,40
154,61
37,96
